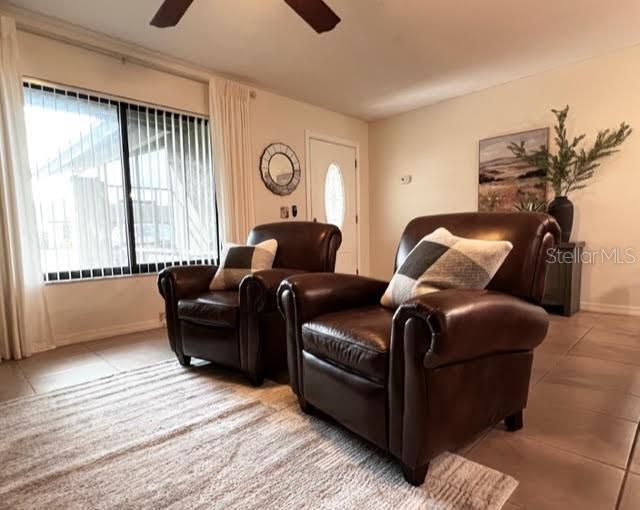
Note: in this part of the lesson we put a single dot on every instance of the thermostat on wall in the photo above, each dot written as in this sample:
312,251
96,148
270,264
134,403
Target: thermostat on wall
405,179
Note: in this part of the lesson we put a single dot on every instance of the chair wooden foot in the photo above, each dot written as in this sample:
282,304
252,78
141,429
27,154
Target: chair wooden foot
513,422
256,379
185,361
415,476
305,406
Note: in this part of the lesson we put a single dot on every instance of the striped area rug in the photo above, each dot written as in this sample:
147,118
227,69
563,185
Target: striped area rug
168,437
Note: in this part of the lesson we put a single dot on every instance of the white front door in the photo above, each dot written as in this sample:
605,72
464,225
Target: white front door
333,196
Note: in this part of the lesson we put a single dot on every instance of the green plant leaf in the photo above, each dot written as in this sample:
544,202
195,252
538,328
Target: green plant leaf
570,168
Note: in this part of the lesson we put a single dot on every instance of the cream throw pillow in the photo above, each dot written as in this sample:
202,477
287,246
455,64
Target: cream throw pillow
444,261
238,261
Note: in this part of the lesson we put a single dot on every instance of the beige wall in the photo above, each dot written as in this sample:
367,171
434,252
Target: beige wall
99,308
438,145
65,64
279,119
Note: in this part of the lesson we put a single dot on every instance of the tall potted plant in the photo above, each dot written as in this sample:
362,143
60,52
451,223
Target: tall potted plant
570,168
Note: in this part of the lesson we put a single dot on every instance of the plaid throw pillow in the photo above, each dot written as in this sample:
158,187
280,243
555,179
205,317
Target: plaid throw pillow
444,261
238,261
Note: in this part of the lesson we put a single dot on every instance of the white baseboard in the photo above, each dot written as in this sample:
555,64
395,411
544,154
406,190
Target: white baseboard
97,334
612,309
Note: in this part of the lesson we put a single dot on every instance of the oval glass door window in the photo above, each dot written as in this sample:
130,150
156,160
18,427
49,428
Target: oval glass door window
334,196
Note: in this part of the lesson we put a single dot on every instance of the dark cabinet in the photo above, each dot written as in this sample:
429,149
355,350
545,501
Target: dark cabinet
562,292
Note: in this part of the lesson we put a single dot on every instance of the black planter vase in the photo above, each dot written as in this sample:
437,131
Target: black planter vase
561,208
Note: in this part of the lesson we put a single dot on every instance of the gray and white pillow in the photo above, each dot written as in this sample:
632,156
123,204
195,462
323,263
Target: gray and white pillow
238,261
444,261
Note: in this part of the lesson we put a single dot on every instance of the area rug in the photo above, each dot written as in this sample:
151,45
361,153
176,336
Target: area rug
169,437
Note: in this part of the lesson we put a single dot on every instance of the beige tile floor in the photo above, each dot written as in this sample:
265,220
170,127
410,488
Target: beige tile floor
576,449
75,364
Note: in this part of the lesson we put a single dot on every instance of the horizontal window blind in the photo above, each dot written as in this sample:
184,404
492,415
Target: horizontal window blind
119,188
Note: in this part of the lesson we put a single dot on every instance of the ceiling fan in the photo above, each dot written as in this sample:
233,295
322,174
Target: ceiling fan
315,12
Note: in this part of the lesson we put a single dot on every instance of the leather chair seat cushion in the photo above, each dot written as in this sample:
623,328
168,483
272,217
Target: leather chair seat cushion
218,308
357,340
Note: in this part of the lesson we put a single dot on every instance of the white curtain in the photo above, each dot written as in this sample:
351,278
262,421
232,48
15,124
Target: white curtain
230,118
24,321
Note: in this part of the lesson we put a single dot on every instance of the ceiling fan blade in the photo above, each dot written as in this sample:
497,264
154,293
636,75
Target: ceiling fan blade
170,12
316,13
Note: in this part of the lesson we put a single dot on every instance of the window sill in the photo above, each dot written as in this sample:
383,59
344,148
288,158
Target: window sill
100,279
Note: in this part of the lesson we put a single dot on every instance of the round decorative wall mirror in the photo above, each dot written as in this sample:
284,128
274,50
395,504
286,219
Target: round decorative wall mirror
280,169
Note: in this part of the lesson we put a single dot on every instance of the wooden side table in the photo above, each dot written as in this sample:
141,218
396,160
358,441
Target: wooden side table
562,293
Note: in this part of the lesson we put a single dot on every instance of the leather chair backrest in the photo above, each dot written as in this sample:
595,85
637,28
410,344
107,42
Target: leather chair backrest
304,245
523,273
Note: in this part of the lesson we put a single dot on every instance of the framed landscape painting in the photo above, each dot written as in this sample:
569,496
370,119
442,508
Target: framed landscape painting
503,180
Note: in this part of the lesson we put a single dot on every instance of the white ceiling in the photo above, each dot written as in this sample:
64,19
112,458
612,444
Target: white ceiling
385,57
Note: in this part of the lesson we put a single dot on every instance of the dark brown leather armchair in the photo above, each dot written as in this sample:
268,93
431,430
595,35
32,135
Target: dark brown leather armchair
242,328
430,375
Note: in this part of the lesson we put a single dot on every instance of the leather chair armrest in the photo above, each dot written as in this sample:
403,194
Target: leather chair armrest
443,328
181,281
466,324
257,295
177,282
314,294
268,280
303,297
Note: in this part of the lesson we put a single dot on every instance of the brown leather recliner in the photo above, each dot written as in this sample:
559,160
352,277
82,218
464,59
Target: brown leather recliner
441,368
242,328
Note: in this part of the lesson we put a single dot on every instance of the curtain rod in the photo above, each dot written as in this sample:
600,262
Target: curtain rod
200,77
110,97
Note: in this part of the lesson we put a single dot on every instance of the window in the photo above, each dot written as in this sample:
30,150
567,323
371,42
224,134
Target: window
119,188
334,196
